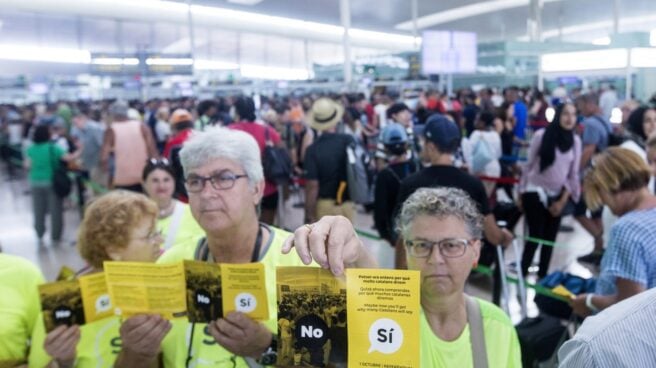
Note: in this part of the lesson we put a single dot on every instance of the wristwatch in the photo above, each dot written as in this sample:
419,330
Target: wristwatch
588,303
270,356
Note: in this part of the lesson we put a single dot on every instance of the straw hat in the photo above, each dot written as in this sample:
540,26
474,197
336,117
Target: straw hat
325,114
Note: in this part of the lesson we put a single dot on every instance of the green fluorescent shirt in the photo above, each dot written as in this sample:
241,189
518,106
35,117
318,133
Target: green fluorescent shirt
100,344
501,343
188,229
19,306
44,156
205,352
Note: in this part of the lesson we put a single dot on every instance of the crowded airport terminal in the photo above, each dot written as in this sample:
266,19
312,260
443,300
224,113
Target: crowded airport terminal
328,183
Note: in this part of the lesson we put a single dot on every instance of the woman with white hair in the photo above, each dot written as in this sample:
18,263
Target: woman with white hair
225,182
442,228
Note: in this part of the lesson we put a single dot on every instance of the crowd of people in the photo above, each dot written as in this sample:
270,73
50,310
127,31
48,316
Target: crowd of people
190,180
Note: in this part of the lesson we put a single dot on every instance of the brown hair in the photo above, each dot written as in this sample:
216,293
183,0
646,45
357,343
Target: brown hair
109,222
615,170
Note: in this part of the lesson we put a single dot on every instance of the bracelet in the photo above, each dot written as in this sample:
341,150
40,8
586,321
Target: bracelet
588,303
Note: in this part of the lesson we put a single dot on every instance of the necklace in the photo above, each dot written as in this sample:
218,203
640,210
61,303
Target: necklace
166,212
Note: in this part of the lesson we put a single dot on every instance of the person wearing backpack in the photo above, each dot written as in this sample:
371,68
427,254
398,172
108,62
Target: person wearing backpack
43,159
549,179
484,150
265,137
388,181
325,165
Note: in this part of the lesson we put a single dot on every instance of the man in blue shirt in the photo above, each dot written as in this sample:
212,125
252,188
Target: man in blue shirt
595,139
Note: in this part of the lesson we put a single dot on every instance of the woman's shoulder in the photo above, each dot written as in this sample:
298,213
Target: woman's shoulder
494,315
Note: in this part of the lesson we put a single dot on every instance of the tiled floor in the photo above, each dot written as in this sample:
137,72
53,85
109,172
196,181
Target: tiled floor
17,237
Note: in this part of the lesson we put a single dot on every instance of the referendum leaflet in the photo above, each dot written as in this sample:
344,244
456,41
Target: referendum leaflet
80,301
369,318
311,317
137,288
384,311
244,289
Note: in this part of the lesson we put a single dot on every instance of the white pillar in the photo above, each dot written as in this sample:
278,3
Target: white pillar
345,12
616,17
535,21
415,27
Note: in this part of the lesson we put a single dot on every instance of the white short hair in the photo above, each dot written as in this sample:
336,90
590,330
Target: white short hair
223,143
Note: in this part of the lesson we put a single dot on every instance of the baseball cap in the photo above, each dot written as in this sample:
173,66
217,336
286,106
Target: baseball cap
393,134
443,132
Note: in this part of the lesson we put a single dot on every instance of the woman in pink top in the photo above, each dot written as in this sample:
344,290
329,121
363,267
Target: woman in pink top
550,178
131,143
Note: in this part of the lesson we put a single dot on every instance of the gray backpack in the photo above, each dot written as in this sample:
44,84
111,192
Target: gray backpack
357,162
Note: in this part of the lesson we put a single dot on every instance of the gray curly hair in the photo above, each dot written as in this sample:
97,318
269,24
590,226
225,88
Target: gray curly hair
230,144
441,202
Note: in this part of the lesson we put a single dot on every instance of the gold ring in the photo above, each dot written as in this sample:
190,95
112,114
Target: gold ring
309,226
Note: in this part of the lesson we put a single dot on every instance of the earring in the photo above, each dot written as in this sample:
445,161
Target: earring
475,264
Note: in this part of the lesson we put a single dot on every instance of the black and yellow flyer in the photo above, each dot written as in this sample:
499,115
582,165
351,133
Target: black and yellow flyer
311,317
383,324
203,283
61,303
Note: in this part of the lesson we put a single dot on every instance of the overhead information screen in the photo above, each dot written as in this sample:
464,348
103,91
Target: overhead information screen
142,64
446,52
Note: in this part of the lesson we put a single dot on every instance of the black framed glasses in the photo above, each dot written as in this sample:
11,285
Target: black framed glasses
449,248
223,180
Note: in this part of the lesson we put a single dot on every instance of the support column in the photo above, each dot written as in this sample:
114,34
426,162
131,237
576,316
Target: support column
345,13
190,24
415,27
616,16
535,21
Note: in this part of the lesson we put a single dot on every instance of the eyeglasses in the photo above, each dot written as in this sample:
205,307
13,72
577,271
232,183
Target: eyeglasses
449,248
153,236
222,181
159,162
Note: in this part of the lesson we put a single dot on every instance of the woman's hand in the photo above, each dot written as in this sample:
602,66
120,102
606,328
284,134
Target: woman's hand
61,344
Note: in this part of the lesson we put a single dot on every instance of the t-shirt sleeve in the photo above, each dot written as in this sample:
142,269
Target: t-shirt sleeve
274,135
591,134
58,152
310,165
480,196
626,257
576,353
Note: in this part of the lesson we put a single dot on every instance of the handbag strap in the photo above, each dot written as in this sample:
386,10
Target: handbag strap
476,333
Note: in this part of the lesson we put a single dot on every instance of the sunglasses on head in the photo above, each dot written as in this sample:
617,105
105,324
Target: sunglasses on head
159,162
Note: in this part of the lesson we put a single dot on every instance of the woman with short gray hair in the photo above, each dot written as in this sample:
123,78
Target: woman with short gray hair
442,228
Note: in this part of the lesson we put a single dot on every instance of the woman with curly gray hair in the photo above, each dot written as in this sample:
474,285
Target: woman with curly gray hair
442,228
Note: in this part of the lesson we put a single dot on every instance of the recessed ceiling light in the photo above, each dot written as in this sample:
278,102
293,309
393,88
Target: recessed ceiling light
245,2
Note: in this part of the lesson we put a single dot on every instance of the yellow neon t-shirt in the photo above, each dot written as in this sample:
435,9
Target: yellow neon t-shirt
205,352
188,229
501,343
100,344
19,306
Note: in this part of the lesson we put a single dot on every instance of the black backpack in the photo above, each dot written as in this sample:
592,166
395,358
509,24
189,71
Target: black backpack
276,161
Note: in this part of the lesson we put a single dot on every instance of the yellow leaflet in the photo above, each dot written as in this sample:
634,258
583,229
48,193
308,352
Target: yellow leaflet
244,290
311,317
203,282
95,297
65,274
61,303
383,318
561,290
146,288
